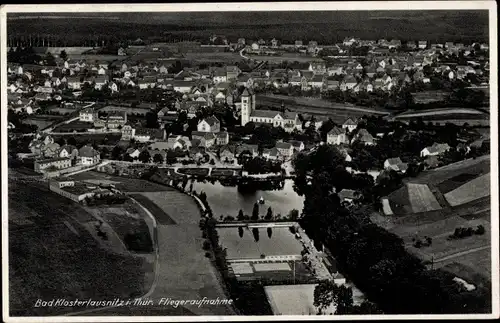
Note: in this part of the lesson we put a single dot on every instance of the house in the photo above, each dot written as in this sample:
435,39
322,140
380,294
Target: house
316,81
68,151
116,119
210,124
364,137
434,150
50,150
337,136
100,81
335,70
271,153
395,164
227,154
348,83
297,145
252,150
422,44
58,163
88,115
232,72
285,149
317,67
222,138
332,84
219,75
207,139
350,124
133,153
127,132
347,195
148,134
89,156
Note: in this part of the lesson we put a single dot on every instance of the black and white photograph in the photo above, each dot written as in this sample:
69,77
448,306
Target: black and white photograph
249,161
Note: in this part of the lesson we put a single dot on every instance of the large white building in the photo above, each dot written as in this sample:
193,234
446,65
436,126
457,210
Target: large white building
286,120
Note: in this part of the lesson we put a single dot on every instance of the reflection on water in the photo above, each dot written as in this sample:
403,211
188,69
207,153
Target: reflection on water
228,200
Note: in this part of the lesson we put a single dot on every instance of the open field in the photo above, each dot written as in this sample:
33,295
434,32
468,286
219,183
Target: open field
463,191
49,252
291,57
74,126
226,57
470,191
313,106
281,243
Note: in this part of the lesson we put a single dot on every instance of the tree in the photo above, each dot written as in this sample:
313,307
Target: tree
255,212
158,159
49,59
293,215
206,245
255,232
116,153
63,55
240,216
144,156
152,120
72,141
269,214
327,293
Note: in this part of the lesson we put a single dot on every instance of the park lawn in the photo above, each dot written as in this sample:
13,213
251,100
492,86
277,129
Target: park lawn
54,256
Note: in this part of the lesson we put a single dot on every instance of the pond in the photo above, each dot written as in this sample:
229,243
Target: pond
228,200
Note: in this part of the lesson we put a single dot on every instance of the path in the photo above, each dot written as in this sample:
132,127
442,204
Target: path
462,253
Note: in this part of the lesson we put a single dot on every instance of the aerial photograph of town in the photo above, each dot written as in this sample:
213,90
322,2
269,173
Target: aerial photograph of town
248,163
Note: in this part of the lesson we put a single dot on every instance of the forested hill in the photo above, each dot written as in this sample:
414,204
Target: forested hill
325,27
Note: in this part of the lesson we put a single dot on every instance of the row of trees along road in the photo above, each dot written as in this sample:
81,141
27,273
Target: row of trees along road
373,258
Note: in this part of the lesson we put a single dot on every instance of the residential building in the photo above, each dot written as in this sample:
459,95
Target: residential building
88,155
285,149
350,125
88,115
42,165
364,137
210,124
348,195
395,164
337,136
435,149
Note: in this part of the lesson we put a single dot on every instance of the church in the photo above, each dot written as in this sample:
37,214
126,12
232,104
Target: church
287,120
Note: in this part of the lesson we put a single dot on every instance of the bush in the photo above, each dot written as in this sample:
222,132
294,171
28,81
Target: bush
292,229
206,245
207,254
480,230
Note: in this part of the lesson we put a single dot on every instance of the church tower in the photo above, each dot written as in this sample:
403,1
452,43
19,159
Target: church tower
247,105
